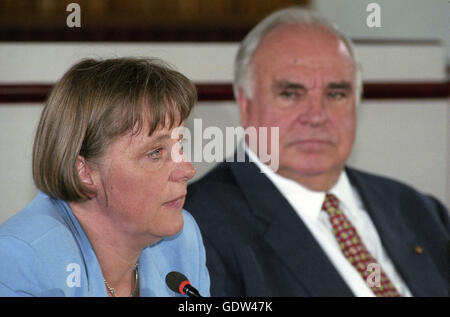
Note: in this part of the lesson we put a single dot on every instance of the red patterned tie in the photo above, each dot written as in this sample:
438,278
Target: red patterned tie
354,249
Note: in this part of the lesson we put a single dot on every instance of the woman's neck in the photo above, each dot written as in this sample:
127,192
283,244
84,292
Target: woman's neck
116,252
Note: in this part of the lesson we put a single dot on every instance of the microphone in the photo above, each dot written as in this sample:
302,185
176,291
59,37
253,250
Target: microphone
179,283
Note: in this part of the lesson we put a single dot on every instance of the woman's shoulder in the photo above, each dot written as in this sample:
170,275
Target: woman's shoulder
40,232
39,251
41,218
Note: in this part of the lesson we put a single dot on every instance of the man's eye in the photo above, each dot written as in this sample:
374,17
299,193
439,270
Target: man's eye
288,94
337,94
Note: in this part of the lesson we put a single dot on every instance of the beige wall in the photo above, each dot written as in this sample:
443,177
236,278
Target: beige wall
407,139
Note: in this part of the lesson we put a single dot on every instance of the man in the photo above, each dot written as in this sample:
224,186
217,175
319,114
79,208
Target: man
313,227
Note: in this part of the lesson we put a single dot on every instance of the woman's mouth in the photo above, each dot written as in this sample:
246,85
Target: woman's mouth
175,203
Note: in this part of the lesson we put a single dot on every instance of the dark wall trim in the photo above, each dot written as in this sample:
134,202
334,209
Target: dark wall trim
157,34
204,34
412,90
188,34
37,93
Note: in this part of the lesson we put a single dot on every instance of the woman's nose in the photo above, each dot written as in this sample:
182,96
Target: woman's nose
183,171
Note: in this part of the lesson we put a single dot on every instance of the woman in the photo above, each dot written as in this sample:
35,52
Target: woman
109,219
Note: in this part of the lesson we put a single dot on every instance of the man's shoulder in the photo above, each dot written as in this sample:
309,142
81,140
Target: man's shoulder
399,194
382,184
217,198
217,184
219,174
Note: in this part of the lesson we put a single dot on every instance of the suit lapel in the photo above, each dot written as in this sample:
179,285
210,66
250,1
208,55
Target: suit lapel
398,240
287,234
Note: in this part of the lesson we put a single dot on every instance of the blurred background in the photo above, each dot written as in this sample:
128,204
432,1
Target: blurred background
404,118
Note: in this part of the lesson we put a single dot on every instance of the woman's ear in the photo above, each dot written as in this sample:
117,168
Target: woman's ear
85,172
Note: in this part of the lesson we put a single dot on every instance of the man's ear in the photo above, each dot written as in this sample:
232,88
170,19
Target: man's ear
244,106
85,172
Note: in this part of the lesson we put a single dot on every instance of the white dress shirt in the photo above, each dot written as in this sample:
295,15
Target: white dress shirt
308,206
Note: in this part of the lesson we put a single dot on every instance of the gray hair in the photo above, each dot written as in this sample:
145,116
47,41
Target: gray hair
292,15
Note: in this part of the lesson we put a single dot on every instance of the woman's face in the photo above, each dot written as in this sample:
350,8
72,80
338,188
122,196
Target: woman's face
140,185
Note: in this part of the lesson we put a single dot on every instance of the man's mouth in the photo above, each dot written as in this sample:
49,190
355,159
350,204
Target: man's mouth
311,144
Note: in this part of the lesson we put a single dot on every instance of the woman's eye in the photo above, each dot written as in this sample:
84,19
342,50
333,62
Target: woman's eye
156,154
181,144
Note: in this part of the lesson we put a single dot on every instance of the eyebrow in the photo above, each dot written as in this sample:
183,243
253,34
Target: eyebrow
345,85
160,138
285,84
163,138
152,141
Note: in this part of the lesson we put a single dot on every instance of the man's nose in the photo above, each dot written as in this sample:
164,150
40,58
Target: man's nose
314,111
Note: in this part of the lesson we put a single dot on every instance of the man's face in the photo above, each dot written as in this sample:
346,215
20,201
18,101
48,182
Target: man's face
142,188
303,83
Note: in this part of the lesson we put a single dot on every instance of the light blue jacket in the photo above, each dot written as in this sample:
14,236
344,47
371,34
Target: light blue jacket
45,252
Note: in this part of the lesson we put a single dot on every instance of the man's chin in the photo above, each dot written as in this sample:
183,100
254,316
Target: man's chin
315,175
309,165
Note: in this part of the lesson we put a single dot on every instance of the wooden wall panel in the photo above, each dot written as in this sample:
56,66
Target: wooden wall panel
112,20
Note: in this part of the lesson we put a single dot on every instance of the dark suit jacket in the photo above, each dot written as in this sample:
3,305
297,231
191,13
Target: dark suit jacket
256,245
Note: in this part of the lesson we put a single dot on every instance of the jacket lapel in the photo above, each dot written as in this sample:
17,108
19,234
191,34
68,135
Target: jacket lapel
287,234
398,240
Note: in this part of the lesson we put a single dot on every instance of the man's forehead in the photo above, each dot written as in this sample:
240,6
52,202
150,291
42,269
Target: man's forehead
311,61
308,69
309,33
302,43
285,59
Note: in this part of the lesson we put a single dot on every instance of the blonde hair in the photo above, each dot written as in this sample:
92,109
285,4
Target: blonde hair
95,102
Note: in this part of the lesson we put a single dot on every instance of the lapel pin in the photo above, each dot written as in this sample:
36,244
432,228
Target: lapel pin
418,249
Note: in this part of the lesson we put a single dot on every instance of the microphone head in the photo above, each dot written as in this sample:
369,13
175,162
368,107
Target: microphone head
177,281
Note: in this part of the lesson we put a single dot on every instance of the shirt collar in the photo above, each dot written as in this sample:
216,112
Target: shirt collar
305,201
347,195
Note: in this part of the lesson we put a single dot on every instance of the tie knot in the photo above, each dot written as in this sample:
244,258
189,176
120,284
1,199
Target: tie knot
330,204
